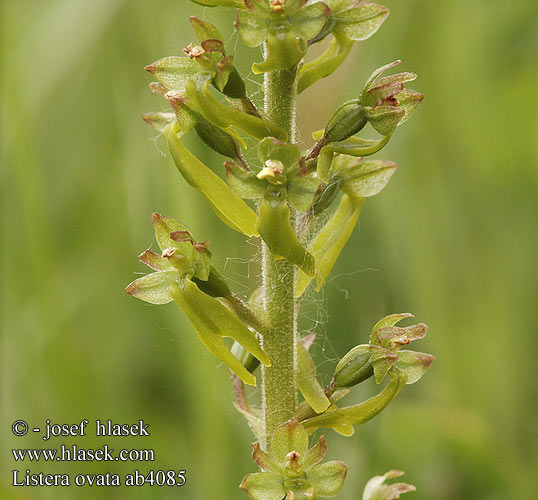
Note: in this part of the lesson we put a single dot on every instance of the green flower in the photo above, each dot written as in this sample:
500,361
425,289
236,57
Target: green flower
183,273
291,471
208,55
376,489
279,182
350,21
286,26
383,353
181,258
383,102
386,102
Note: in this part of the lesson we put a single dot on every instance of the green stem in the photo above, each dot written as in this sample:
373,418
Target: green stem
279,393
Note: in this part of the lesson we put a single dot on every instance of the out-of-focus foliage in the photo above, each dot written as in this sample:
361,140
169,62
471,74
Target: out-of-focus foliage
454,241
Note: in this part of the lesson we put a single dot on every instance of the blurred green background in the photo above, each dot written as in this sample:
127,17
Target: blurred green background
453,239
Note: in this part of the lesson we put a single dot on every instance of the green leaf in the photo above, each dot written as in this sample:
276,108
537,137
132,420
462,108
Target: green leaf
226,204
174,72
362,179
244,182
204,30
275,229
302,192
263,486
360,413
310,20
361,22
328,478
308,383
253,27
212,321
153,288
159,121
413,364
330,241
324,65
315,454
290,436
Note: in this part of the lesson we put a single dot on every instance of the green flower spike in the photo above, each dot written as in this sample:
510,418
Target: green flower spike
183,274
376,489
350,21
290,471
285,26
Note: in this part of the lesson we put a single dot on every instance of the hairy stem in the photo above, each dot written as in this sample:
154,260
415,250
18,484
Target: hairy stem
279,391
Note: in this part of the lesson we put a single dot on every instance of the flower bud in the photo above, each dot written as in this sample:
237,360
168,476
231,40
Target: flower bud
387,103
354,367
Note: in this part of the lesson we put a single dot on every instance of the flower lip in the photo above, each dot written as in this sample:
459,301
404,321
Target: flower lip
168,252
193,51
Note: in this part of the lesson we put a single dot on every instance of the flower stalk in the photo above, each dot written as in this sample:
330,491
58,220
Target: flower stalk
303,205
